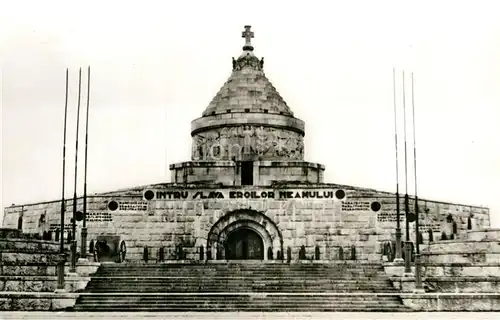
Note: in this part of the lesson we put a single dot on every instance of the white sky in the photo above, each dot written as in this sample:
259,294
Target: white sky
156,66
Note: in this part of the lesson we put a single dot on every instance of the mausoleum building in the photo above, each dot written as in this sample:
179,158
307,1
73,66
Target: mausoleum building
246,193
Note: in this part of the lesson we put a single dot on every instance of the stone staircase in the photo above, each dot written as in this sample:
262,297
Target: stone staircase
240,286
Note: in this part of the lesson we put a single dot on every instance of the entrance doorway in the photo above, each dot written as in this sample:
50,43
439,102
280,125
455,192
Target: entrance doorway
247,173
244,244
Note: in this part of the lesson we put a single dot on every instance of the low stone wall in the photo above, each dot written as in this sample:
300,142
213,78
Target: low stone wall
487,234
28,274
25,245
24,257
462,251
72,283
464,284
469,265
39,301
448,277
480,246
452,301
8,233
85,268
462,270
28,283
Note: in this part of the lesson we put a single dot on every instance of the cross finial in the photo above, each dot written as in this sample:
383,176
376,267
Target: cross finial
247,34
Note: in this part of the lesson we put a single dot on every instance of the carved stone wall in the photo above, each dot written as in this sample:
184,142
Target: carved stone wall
265,142
308,217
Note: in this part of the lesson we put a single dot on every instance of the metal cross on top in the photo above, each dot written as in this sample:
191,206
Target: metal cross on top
247,34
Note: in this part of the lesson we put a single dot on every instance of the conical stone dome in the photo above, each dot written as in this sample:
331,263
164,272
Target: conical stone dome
248,90
247,120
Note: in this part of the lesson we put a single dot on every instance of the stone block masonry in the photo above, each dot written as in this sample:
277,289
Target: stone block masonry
36,301
28,265
247,161
329,217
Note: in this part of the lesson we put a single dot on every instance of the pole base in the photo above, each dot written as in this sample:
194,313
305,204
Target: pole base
60,276
82,260
399,261
408,257
72,274
72,267
398,243
83,244
419,291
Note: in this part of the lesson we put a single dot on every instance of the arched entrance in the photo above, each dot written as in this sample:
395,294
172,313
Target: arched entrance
244,243
244,234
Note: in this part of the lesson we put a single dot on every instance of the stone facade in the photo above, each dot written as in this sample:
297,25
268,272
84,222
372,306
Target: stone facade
329,217
247,173
229,173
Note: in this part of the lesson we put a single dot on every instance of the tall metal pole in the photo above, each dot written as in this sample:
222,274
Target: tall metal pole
418,277
398,219
83,245
407,243
60,270
73,242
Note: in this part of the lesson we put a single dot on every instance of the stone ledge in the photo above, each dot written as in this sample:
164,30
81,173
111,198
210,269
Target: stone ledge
446,279
478,251
28,246
202,164
452,301
492,258
229,119
26,278
464,278
449,264
84,269
457,242
292,163
17,258
41,283
10,233
486,234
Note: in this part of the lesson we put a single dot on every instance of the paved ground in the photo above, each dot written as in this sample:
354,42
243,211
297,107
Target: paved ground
250,315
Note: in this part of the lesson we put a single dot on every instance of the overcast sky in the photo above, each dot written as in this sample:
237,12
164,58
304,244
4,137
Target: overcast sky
156,66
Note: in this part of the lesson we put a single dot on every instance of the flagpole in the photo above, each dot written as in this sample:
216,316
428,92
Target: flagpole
418,277
60,270
398,219
407,243
73,242
83,245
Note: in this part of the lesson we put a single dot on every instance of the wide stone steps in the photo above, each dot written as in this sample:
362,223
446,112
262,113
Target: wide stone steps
240,287
240,302
312,274
306,272
186,284
244,289
313,280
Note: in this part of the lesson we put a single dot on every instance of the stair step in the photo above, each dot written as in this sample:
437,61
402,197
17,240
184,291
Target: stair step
250,309
273,302
183,287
